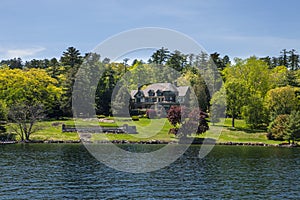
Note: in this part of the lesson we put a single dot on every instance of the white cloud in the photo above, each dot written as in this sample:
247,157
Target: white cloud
24,53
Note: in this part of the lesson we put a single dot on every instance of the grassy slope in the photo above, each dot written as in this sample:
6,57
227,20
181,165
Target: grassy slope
147,131
242,133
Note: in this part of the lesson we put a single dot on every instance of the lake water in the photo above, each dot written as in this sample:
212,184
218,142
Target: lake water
68,171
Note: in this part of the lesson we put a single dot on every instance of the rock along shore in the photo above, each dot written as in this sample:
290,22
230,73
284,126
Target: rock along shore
151,142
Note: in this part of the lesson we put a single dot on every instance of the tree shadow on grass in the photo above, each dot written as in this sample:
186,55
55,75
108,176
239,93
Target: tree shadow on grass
246,129
243,129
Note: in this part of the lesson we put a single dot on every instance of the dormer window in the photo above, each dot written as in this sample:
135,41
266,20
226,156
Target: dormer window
159,93
139,94
151,93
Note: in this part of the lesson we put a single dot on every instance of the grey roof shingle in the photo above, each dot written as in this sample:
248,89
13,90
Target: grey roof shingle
181,90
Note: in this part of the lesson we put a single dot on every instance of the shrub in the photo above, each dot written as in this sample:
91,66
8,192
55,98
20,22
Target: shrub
135,118
173,131
2,129
285,127
277,128
293,127
7,137
56,124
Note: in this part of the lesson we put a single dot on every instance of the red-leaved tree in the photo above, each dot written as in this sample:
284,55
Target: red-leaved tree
186,122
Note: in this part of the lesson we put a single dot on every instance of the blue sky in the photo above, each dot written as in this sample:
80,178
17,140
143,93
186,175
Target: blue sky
238,28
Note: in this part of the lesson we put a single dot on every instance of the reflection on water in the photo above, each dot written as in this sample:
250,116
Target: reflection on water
39,171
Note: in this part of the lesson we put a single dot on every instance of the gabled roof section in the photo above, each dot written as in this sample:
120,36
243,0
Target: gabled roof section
170,87
182,90
133,93
162,87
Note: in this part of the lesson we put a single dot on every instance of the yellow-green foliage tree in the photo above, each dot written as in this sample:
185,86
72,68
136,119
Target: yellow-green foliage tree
33,85
280,101
28,94
279,76
236,98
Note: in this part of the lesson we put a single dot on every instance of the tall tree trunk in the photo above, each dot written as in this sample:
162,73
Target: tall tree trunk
27,136
21,132
233,118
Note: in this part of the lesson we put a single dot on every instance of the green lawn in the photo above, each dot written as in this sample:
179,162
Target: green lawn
241,133
156,129
51,130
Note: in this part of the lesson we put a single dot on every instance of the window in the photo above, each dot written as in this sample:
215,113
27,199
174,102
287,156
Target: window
151,93
159,93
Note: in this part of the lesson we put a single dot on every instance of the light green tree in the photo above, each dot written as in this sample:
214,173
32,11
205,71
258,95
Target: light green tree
254,112
279,76
252,79
236,97
281,100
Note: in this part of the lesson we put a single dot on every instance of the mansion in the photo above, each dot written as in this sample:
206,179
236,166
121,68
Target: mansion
162,94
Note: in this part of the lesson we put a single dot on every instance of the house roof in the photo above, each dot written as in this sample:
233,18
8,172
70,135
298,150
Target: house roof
182,90
133,93
160,86
163,87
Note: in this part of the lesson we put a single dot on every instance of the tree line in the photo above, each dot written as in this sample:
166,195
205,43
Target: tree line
258,90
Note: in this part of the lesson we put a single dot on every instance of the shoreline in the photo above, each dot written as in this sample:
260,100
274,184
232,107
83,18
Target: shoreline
149,142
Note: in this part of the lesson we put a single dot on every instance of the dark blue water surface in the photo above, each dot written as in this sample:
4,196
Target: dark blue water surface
68,171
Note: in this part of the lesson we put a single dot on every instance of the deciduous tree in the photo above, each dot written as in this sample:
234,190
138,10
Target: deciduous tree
25,116
281,100
248,81
186,122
